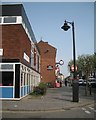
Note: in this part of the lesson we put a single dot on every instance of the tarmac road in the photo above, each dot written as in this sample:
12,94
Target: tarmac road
80,112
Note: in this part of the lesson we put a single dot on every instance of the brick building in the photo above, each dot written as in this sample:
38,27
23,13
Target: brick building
20,66
47,62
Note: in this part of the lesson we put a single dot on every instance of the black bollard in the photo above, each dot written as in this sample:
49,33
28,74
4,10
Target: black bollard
75,91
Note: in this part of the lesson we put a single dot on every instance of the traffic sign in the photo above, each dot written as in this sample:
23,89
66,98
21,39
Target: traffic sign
72,68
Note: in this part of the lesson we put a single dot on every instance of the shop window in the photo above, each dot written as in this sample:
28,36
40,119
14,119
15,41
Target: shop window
0,78
7,78
10,20
27,78
32,83
24,78
21,79
0,20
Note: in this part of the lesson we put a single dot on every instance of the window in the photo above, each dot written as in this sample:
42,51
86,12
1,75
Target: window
27,78
32,82
10,20
0,78
7,78
0,20
21,79
34,57
7,66
24,78
38,63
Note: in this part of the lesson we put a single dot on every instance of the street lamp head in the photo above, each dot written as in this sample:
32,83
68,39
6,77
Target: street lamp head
65,27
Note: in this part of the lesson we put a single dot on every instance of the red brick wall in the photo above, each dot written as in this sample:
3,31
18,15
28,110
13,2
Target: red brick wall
48,57
15,42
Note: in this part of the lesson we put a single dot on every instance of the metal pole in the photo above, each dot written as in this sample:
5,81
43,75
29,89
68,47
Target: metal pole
74,58
75,82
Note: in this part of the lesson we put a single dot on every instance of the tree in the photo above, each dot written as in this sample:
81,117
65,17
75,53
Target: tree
85,64
69,65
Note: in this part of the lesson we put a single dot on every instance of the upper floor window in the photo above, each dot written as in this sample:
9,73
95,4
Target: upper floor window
6,66
10,20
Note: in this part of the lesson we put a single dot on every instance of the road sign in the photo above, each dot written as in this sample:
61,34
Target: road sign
72,68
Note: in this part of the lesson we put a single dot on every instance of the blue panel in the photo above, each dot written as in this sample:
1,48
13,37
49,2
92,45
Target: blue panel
7,92
28,89
25,90
22,92
0,92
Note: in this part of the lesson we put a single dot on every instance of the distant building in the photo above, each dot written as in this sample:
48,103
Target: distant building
47,62
20,65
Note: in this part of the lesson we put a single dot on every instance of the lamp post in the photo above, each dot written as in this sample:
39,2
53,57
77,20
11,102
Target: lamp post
61,62
75,85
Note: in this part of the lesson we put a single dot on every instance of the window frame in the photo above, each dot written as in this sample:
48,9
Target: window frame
10,17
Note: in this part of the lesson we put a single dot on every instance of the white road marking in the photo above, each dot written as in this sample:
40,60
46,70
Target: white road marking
87,112
92,109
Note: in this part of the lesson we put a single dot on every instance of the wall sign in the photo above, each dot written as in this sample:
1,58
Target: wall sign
49,67
26,57
1,51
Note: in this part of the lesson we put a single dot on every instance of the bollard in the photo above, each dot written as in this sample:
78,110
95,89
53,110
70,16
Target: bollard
75,91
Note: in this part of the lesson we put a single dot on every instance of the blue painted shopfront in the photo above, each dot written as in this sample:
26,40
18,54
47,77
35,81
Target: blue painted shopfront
16,81
6,92
25,90
9,79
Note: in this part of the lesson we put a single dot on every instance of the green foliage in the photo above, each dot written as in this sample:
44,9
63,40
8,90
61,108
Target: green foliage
49,85
70,63
94,61
85,64
39,90
43,85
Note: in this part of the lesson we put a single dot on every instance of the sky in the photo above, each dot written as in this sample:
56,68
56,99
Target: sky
94,27
47,18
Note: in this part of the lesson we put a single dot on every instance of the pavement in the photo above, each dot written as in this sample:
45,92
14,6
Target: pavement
55,99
